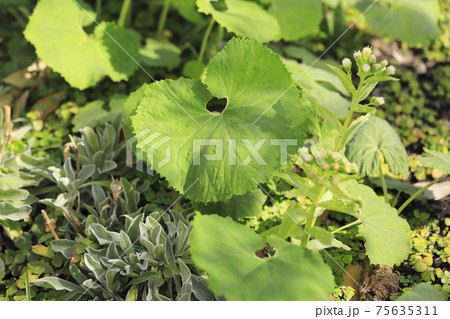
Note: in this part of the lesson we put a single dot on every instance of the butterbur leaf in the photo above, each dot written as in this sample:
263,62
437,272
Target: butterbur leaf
212,154
314,90
188,9
226,250
377,138
386,234
422,292
158,54
435,159
413,21
297,18
249,204
244,18
56,30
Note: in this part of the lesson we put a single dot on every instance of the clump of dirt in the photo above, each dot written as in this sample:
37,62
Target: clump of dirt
379,282
376,282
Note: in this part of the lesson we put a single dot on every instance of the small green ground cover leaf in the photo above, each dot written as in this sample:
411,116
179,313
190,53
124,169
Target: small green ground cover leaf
376,137
56,30
386,234
254,113
226,251
422,292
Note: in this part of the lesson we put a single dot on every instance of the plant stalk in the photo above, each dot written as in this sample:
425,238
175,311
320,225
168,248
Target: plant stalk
347,226
205,40
7,127
124,11
18,17
162,19
384,186
420,191
27,285
98,8
347,121
310,220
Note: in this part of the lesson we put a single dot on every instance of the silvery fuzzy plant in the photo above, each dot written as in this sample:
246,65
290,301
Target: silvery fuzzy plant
82,186
148,259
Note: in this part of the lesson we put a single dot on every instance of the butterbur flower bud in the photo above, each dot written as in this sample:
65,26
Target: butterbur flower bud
320,180
365,68
377,66
391,70
346,63
373,58
366,52
377,100
384,63
308,158
357,55
312,174
335,180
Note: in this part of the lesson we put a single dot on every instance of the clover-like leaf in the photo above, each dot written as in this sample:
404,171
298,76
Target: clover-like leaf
249,204
297,18
56,30
244,18
413,21
212,154
226,250
386,234
422,292
374,139
435,159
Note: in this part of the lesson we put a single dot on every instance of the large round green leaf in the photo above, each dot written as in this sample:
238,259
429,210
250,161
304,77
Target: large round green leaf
374,139
226,251
435,159
386,234
245,18
414,21
240,206
56,30
422,292
216,155
297,18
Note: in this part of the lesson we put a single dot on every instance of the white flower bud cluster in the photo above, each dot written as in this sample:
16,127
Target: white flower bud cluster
321,160
368,63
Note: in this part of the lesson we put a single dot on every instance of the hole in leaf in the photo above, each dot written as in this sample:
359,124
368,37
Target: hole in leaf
216,105
265,252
